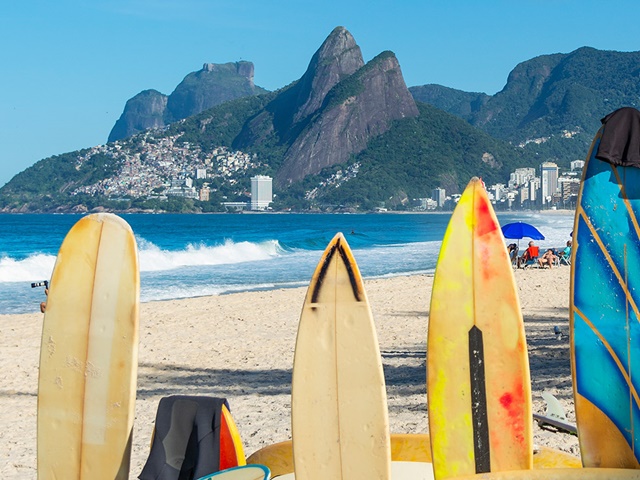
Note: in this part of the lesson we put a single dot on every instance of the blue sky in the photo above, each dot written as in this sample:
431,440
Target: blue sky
69,66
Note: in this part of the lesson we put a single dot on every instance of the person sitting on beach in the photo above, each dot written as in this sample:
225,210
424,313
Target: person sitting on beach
548,258
531,253
565,255
513,252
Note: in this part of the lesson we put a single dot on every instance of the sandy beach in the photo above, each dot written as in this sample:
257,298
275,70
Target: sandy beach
241,346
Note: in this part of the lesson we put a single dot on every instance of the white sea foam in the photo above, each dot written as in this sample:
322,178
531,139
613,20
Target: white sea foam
39,266
153,258
35,267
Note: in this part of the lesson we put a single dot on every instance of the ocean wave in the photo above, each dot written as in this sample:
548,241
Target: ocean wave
39,266
153,258
36,267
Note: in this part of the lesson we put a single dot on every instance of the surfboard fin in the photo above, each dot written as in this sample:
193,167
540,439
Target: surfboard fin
554,418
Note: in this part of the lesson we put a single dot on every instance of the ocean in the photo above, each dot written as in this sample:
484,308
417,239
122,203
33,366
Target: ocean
188,255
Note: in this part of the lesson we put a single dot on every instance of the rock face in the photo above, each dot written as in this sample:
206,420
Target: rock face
145,110
333,111
212,85
355,112
337,58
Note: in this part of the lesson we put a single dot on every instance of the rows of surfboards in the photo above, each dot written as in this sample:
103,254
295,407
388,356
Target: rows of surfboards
478,380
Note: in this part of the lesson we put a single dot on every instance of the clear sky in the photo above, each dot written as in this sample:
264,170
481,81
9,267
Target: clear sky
69,66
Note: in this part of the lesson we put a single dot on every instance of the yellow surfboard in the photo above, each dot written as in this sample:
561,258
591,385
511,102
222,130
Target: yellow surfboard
340,425
558,474
478,383
405,447
89,354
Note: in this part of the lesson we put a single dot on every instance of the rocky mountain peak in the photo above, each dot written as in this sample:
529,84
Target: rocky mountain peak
243,68
144,110
212,85
364,104
338,57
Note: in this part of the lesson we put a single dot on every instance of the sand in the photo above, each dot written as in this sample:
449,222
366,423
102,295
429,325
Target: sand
240,347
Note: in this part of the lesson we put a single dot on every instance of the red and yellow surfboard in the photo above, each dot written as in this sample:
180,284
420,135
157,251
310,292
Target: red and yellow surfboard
478,384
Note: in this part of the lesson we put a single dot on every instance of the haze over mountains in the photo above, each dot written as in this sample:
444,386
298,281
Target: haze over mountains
346,133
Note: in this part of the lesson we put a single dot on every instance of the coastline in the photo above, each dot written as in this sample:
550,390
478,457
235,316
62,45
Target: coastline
232,346
559,211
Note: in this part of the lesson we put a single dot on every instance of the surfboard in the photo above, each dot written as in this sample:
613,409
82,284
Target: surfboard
405,447
339,418
604,314
558,474
231,450
88,357
478,383
399,471
247,472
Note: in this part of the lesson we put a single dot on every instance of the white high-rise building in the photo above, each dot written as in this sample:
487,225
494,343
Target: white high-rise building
577,165
549,181
498,190
521,177
261,192
439,195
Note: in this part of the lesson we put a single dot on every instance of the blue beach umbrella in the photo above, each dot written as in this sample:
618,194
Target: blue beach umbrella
521,230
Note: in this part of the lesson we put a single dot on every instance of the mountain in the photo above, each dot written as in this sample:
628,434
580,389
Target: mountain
416,155
212,85
457,102
145,110
552,104
337,94
347,134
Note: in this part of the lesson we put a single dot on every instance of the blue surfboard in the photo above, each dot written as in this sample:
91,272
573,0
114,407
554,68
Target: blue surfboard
246,472
605,315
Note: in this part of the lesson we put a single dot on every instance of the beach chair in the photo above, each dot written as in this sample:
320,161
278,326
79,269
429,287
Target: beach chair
532,260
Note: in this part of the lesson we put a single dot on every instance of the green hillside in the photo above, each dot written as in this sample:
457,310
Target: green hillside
551,104
416,155
436,149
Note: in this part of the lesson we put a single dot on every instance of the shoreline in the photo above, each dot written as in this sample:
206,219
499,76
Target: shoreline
232,346
559,211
